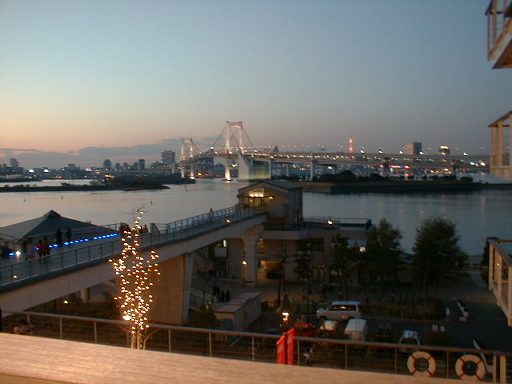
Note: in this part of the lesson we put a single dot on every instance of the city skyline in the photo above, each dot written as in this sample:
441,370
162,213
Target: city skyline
84,81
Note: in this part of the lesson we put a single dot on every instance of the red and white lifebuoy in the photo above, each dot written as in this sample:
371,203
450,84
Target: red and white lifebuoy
480,372
412,364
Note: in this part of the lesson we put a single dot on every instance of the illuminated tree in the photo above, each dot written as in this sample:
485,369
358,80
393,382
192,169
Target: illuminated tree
134,274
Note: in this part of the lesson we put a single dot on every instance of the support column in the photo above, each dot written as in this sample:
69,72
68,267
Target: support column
192,171
499,280
85,295
509,168
287,169
250,241
499,144
492,256
171,294
509,296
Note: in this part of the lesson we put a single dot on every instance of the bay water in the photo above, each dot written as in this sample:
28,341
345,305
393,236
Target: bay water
477,215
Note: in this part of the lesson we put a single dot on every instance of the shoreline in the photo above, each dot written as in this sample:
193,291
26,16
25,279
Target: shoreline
81,188
406,187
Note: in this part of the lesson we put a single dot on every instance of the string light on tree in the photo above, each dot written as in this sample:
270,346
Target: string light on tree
134,274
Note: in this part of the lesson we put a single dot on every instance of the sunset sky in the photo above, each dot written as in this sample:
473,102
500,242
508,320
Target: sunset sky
129,77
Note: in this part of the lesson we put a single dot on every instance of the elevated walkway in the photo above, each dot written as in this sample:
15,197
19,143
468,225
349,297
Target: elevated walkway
29,283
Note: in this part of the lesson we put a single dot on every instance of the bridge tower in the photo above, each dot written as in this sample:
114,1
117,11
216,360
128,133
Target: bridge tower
188,149
235,143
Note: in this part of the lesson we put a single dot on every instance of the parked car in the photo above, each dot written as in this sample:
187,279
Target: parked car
340,310
410,338
384,333
356,329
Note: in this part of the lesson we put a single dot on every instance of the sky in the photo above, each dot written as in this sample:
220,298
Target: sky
86,80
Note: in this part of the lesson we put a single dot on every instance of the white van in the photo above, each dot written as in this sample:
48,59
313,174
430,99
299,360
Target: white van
356,329
340,310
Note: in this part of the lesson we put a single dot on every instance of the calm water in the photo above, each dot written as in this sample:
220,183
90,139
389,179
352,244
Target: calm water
476,215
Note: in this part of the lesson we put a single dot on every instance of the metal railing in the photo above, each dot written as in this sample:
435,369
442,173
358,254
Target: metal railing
319,352
90,253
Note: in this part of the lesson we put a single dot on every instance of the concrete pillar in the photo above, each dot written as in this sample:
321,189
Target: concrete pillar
182,172
499,280
171,293
85,295
250,241
509,296
192,171
492,256
287,169
509,170
499,144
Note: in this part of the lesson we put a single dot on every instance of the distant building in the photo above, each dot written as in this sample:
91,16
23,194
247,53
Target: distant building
107,164
14,163
444,150
168,157
141,164
71,167
414,148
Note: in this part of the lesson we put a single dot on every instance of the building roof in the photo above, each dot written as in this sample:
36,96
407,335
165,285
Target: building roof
273,184
44,225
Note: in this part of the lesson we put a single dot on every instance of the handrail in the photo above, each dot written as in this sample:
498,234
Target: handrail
333,353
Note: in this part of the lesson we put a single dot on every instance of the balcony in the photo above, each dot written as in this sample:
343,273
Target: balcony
499,33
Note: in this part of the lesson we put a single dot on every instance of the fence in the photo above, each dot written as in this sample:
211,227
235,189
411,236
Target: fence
485,365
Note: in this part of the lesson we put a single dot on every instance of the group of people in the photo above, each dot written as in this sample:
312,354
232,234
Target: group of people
221,296
123,227
43,245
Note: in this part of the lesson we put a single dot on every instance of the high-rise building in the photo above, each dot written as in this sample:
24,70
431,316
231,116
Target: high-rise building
14,163
414,148
141,164
168,157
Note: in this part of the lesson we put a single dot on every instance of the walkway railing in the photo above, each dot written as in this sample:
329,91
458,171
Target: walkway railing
88,253
392,358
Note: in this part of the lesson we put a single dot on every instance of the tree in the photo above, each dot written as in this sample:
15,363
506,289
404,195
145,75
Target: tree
344,261
383,253
436,251
303,268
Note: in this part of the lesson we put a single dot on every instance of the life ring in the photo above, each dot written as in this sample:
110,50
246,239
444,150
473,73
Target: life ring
421,355
479,363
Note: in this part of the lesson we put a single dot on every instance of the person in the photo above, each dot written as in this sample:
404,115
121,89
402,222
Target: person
40,250
227,296
46,246
24,245
58,237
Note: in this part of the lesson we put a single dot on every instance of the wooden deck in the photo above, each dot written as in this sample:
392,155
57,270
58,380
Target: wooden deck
37,360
